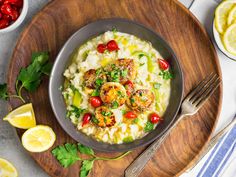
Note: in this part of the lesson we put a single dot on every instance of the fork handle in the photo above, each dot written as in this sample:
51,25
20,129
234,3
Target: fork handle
136,167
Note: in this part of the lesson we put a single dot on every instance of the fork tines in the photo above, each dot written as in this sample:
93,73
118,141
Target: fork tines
204,90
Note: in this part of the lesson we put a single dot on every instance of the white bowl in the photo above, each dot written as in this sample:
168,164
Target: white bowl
19,20
220,44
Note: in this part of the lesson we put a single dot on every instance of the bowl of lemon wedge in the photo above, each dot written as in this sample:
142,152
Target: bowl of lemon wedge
224,28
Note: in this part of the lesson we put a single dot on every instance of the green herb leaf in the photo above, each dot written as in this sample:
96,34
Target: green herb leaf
98,82
3,91
95,93
95,120
85,150
115,105
86,167
66,154
30,77
156,85
149,126
76,111
132,100
166,75
135,121
114,29
46,69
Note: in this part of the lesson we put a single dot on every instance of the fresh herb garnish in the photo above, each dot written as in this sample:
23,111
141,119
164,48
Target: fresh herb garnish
135,121
166,75
104,113
115,105
95,92
76,111
149,126
68,154
29,77
98,71
114,29
98,82
95,120
156,85
141,64
132,100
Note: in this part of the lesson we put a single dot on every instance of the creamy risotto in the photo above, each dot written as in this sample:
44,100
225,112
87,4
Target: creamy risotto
116,88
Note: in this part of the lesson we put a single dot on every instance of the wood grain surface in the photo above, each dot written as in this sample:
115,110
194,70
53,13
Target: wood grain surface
49,30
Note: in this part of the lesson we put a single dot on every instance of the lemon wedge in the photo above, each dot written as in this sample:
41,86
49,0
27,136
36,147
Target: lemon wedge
7,169
38,139
22,117
221,15
229,39
232,16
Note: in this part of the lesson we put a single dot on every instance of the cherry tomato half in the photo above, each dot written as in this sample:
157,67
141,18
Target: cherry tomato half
129,86
101,48
130,115
112,46
154,118
163,64
95,101
86,118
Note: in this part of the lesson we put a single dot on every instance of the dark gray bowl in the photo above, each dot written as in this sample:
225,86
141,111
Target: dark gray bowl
81,36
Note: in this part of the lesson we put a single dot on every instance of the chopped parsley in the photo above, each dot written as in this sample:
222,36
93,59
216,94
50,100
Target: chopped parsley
166,75
149,126
76,111
95,120
99,82
104,113
115,105
114,30
132,100
95,93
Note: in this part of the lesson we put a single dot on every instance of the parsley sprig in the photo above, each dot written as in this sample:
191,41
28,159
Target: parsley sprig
30,77
68,154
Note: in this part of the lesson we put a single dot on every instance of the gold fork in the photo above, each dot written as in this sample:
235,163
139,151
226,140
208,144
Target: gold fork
191,104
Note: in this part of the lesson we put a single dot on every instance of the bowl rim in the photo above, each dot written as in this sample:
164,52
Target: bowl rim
168,48
20,19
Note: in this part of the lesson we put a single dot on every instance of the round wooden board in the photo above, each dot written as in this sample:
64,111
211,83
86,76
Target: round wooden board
49,30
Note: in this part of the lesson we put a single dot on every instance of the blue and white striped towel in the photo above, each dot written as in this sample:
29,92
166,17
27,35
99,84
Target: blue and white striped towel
221,160
220,155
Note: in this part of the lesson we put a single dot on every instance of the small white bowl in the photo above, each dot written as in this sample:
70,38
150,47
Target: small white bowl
19,20
220,44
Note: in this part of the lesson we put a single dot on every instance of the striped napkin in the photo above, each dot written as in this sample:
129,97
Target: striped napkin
221,160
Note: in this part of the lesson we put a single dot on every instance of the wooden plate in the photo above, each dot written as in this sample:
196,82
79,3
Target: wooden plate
60,19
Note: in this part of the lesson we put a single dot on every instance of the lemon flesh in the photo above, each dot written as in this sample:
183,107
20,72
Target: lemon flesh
38,139
221,15
232,16
229,39
22,117
7,169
